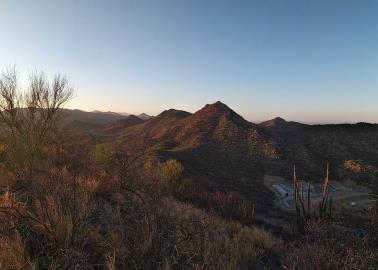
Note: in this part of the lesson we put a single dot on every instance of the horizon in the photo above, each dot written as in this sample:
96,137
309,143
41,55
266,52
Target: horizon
255,122
313,62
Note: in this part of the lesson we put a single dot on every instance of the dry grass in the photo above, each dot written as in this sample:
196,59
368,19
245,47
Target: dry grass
67,219
334,245
65,205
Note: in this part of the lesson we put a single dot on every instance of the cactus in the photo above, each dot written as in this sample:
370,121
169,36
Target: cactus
303,210
309,199
326,201
299,209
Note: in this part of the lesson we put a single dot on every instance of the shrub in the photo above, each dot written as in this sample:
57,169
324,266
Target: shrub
170,175
183,237
330,246
227,205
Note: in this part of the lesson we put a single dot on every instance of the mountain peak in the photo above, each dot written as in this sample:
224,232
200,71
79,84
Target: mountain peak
214,112
145,116
216,108
218,105
173,113
278,120
280,124
128,121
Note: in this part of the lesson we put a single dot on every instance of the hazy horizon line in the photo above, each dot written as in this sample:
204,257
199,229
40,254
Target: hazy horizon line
125,113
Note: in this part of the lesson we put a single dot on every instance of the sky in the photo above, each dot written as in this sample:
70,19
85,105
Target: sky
309,61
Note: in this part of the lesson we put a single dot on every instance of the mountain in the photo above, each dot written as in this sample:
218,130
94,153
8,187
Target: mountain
312,146
215,124
120,125
144,116
97,118
279,124
222,150
110,113
217,146
157,129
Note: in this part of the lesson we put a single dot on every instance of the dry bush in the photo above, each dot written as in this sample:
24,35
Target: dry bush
144,228
28,119
13,255
54,224
66,206
373,224
227,205
69,221
12,248
224,244
179,236
332,245
170,176
333,238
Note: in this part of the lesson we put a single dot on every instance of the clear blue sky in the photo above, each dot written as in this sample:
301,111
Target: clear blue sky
311,61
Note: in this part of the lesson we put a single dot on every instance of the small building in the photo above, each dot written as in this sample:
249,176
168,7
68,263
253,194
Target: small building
336,186
288,203
282,189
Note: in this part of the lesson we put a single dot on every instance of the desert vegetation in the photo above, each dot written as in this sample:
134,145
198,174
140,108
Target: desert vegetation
330,238
73,201
68,204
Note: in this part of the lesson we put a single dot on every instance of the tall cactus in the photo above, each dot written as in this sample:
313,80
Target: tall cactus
299,206
303,208
326,201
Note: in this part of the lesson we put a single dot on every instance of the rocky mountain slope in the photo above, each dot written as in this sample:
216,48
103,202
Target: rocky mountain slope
218,146
311,147
120,125
215,131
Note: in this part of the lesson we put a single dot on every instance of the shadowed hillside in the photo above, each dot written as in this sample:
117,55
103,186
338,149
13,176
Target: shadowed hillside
118,126
96,117
220,147
312,146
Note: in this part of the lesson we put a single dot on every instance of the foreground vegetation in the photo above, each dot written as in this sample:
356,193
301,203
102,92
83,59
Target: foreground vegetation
66,203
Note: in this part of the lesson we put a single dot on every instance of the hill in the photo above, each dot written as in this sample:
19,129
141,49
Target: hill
221,149
144,116
217,146
311,147
96,117
111,113
279,124
105,123
120,125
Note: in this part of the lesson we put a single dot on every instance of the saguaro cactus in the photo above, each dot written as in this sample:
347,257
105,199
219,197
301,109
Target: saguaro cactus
326,202
301,214
303,208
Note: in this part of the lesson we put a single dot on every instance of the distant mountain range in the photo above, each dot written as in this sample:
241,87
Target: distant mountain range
83,120
110,113
143,116
219,147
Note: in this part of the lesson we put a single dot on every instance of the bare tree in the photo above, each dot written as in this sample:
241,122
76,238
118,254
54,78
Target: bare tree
28,117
